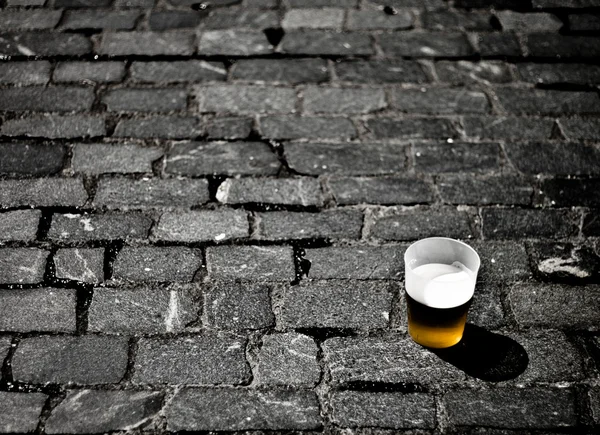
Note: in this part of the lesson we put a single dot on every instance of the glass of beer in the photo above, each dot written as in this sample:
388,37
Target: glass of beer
440,278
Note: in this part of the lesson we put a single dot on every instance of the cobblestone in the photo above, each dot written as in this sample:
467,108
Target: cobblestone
457,157
26,73
339,100
178,71
44,44
293,127
145,100
146,43
50,99
234,42
554,158
164,127
201,226
285,71
426,44
565,192
175,263
98,72
46,192
440,101
380,71
494,189
320,42
503,223
334,224
229,128
114,20
289,191
19,225
101,158
370,20
85,265
31,159
502,127
463,72
55,126
22,265
380,190
576,128
20,412
109,226
268,263
414,128
246,99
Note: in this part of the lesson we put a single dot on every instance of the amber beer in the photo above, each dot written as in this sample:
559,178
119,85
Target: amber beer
440,282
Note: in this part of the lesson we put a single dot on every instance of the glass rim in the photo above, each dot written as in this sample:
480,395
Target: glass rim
448,239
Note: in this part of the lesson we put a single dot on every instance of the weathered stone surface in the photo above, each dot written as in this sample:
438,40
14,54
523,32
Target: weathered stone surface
486,308
31,159
547,102
19,225
20,412
498,44
371,20
125,193
245,99
343,100
5,345
177,71
45,309
173,263
320,3
80,264
229,128
363,262
552,45
594,398
80,4
492,189
380,190
95,411
281,70
87,359
99,19
163,127
246,17
44,44
50,99
288,359
145,310
334,224
529,22
290,191
46,192
145,100
100,72
237,409
328,18
346,159
584,22
202,360
380,71
559,73
146,43
109,226
565,192
512,408
457,157
563,262
426,44
556,306
294,127
591,225
419,223
237,306
55,126
577,128
385,410
463,72
440,101
233,42
504,261
337,304
502,127
321,42
22,265
222,158
554,158
262,263
165,20
414,128
511,223
394,359
25,73
121,158
201,226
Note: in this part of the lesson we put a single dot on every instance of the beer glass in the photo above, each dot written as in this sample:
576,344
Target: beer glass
440,275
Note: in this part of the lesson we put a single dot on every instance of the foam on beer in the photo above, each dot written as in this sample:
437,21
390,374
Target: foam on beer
442,285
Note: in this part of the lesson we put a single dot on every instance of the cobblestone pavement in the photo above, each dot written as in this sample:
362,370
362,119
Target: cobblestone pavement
204,209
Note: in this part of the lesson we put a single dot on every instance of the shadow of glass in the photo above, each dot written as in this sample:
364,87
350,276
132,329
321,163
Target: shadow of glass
485,355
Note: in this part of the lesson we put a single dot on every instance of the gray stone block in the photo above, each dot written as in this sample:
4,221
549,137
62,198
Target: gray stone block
44,192
455,19
51,99
380,71
486,308
5,345
233,42
321,42
31,159
202,226
80,264
177,71
246,99
577,128
288,359
29,19
25,73
121,158
96,411
229,128
457,157
142,310
426,44
498,44
584,22
55,126
492,189
290,191
503,127
380,190
22,265
44,44
547,102
237,306
166,20
343,100
327,18
281,70
413,128
238,409
502,261
329,224
554,158
41,310
373,20
125,193
146,43
467,72
172,263
19,225
358,262
223,158
201,360
20,412
294,127
383,410
87,359
145,100
529,22
567,192
243,18
99,72
514,223
260,263
442,101
559,73
99,19
162,127
109,226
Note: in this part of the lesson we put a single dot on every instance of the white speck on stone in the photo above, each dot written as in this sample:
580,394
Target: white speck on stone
386,315
147,269
172,319
346,45
87,225
450,140
493,260
427,50
71,216
554,265
220,236
233,347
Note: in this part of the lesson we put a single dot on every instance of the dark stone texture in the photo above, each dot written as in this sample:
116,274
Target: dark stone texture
233,42
110,226
529,22
202,226
569,192
289,191
454,20
31,159
543,4
486,308
143,310
553,45
25,73
288,359
492,189
380,71
498,44
46,192
320,3
177,71
80,264
361,262
546,102
426,44
414,128
322,42
440,101
563,262
328,18
45,309
559,73
380,190
578,128
93,411
76,4
173,263
509,223
555,306
345,159
163,127
145,100
385,410
554,158
457,157
330,224
229,128
22,265
203,409
242,18
207,158
257,263
63,359
20,412
113,20
373,20
146,43
502,127
294,127
538,407
51,99
502,261
201,360
419,223
245,99
467,72
584,22
337,304
44,44
19,225
149,192
395,359
165,20
237,306
121,158
33,19
55,126
343,100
